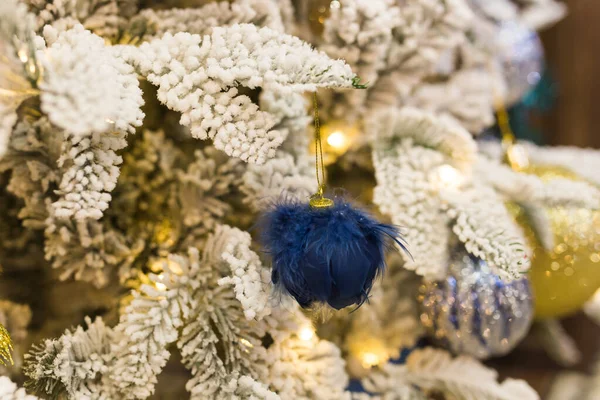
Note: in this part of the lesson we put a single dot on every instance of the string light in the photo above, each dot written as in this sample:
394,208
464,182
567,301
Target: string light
306,333
159,285
246,343
338,138
370,360
447,177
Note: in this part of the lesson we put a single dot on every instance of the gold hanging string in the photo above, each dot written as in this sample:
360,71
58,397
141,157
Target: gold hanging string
317,200
515,154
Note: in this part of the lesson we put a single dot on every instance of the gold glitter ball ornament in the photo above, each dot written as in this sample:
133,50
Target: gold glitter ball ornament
5,347
568,275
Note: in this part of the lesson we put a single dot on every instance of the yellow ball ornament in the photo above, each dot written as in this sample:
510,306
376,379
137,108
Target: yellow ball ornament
566,276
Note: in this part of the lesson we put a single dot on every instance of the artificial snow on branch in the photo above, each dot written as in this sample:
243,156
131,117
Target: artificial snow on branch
434,370
528,188
467,96
424,32
103,17
85,87
10,391
197,76
360,33
201,188
90,169
583,162
280,177
481,221
251,281
151,23
72,363
440,133
290,113
412,148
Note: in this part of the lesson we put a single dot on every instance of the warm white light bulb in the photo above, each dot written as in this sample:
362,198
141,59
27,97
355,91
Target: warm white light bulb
159,285
370,360
306,333
448,177
337,139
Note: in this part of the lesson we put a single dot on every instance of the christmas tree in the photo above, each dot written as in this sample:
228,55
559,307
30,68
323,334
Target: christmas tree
142,142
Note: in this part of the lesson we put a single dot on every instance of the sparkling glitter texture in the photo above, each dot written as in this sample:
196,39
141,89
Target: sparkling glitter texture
522,57
5,347
564,278
473,312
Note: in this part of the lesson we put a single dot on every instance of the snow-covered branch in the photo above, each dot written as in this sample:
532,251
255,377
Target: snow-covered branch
198,76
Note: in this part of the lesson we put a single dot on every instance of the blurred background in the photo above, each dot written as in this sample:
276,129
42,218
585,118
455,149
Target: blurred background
572,47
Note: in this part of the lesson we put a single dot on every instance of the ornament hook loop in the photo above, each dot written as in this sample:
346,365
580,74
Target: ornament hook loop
317,200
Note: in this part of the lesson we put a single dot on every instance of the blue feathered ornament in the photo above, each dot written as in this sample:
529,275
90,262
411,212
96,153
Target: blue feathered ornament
327,251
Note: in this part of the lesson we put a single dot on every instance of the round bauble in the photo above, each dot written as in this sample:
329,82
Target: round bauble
565,277
473,311
521,56
325,254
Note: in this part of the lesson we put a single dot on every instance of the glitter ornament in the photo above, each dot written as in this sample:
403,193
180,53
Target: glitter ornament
521,56
474,312
566,276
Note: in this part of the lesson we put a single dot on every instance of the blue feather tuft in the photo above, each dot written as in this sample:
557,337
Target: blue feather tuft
329,255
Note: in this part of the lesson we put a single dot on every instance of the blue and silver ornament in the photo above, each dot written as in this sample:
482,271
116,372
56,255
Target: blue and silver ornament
473,311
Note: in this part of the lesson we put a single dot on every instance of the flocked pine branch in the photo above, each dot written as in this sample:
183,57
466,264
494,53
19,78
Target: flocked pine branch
85,87
198,76
251,281
291,118
280,177
434,370
203,187
150,23
360,33
103,17
481,221
424,32
467,96
146,327
71,364
583,162
411,149
10,391
527,188
404,193
94,97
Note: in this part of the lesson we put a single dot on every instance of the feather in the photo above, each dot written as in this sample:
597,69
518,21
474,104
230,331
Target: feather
325,255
